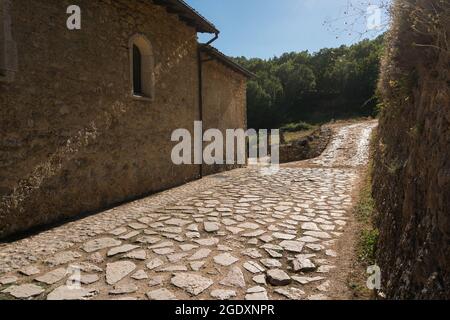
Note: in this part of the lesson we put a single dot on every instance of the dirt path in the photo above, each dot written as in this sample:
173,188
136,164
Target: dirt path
241,235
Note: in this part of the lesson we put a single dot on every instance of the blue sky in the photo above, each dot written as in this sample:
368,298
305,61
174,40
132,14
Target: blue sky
265,28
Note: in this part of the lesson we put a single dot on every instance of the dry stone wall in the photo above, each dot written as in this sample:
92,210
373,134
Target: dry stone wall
412,162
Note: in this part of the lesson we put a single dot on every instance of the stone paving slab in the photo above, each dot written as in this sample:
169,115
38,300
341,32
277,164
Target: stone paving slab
245,235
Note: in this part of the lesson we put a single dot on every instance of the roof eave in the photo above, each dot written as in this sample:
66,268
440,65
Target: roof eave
189,15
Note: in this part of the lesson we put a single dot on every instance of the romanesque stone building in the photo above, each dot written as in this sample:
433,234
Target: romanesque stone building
86,115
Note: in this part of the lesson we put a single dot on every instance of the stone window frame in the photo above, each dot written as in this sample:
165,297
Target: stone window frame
8,48
147,67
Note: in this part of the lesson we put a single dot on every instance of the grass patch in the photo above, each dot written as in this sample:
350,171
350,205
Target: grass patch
298,126
365,206
298,135
365,213
296,131
368,245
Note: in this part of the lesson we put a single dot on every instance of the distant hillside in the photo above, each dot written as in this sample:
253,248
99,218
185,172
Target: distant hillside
330,84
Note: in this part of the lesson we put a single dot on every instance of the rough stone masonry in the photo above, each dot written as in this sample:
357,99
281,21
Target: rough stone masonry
73,139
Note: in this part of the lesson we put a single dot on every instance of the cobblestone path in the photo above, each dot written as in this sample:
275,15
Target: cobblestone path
238,235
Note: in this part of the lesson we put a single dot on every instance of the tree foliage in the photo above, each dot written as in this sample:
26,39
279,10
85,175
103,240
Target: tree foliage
330,84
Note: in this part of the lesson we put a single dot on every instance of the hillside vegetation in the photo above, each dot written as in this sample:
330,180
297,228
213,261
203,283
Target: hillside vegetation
315,88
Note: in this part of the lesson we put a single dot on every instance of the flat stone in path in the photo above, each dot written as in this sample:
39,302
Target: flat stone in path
252,253
324,287
221,247
173,268
234,230
125,288
266,238
292,246
303,265
148,240
256,293
259,296
140,275
87,267
30,271
188,247
315,247
86,278
318,297
164,251
191,283
177,257
283,236
318,234
136,255
8,280
260,279
211,226
290,293
53,277
161,294
156,281
225,259
137,226
310,226
271,263
200,254
278,277
24,291
165,244
253,267
155,263
118,231
62,258
68,293
177,222
197,265
96,257
118,270
122,249
223,294
325,268
235,278
274,254
331,253
208,242
308,239
254,234
306,280
193,235
249,225
99,244
269,246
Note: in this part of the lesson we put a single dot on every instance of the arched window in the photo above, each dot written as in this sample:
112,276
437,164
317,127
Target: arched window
142,67
137,71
